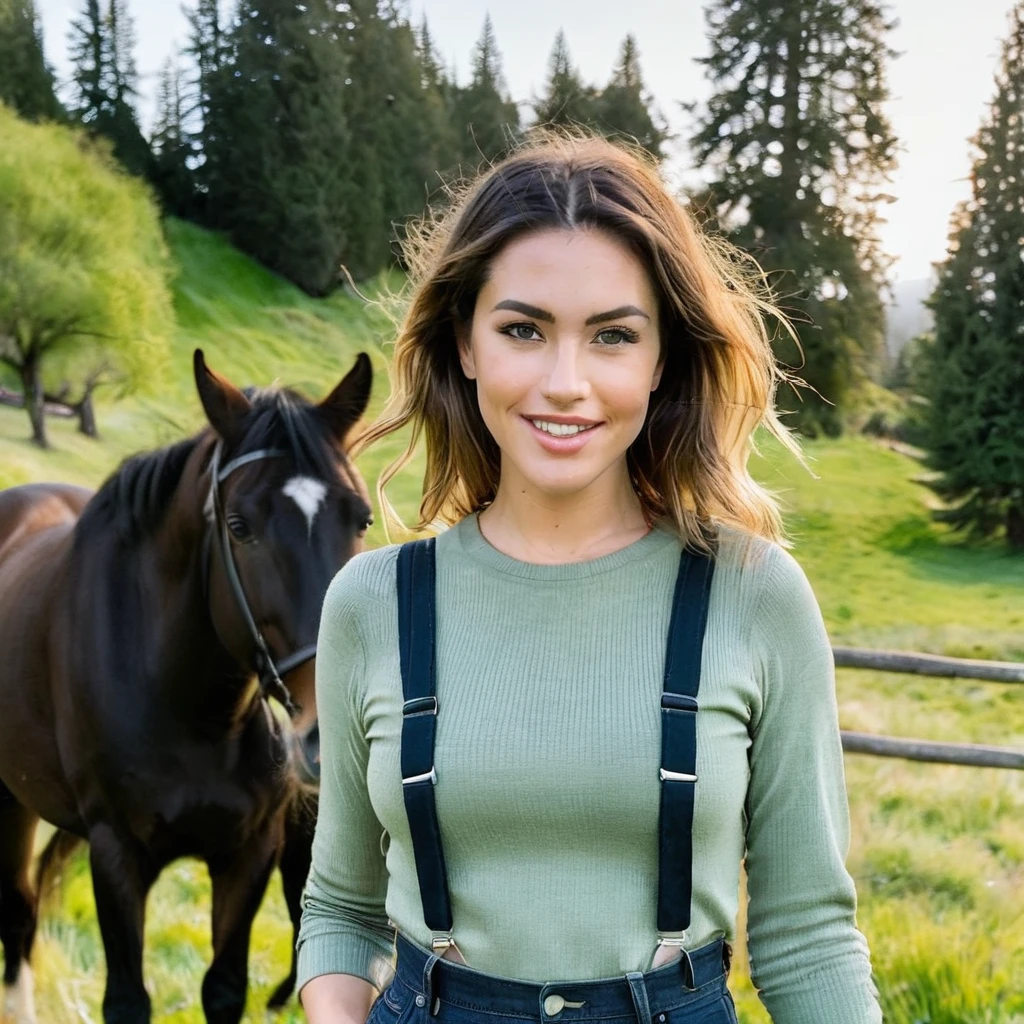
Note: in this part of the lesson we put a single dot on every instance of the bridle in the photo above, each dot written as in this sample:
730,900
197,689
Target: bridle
267,670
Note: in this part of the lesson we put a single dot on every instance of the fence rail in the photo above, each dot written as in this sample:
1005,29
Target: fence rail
931,665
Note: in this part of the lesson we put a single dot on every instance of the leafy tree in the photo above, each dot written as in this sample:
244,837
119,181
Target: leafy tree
276,136
105,80
623,107
566,99
80,294
975,376
487,120
26,80
798,148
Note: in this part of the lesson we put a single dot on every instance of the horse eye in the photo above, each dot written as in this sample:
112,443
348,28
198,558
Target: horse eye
239,528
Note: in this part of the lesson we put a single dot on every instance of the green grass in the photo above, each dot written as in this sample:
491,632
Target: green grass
937,851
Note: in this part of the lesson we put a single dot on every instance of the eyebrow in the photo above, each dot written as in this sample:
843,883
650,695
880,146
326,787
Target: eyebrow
542,314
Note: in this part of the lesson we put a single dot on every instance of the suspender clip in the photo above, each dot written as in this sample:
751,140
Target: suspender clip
420,706
440,941
679,702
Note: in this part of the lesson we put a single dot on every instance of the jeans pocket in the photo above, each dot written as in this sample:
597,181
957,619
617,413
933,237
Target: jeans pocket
729,1008
391,1006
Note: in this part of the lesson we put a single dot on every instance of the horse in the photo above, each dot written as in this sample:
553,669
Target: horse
144,629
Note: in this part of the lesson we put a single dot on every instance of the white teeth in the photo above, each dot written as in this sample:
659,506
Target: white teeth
559,429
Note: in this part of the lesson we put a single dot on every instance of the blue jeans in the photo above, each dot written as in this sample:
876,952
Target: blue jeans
428,990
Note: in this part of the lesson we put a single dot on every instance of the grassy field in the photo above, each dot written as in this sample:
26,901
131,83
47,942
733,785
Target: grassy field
937,852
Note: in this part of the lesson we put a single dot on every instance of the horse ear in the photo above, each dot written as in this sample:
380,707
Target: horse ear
225,406
342,408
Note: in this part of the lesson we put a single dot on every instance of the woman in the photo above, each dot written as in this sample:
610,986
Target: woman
587,369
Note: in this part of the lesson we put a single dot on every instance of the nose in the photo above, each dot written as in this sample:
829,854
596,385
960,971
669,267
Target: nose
566,382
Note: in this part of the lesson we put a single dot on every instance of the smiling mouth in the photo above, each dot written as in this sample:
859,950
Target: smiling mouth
562,429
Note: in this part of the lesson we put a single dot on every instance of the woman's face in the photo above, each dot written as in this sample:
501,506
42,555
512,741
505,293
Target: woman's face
565,350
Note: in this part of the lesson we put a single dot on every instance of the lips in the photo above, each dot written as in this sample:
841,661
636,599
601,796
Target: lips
564,444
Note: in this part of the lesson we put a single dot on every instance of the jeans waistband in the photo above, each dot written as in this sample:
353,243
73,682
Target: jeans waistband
637,994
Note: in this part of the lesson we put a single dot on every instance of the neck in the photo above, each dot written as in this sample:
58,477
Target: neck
535,526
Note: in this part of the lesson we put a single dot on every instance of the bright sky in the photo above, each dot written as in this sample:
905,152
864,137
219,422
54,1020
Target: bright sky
940,85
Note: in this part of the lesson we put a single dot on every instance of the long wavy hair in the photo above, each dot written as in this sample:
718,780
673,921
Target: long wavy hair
688,465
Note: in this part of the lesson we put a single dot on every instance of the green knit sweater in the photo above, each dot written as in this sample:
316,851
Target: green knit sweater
549,681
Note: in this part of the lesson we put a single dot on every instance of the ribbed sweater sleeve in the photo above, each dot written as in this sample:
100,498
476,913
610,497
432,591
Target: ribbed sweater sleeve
344,929
807,958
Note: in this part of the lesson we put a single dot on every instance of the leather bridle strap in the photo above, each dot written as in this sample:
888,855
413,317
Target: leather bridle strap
268,672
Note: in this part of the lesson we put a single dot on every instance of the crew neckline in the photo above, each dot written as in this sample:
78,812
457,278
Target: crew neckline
470,538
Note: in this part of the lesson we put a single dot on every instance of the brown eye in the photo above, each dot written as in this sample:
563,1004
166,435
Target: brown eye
239,529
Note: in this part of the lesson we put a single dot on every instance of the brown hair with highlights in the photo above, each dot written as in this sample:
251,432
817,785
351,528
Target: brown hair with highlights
689,462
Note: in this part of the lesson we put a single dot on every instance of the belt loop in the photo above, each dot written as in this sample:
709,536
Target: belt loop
638,990
428,984
686,966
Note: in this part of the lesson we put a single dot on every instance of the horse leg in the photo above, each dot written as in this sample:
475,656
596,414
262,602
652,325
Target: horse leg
295,861
122,874
18,907
239,883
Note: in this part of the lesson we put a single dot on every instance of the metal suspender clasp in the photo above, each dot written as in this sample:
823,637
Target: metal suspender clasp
666,776
440,941
420,706
679,702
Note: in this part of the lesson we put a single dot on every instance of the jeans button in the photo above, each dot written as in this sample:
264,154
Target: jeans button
554,1004
421,999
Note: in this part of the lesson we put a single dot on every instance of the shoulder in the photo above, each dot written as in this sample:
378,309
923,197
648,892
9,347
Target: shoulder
365,582
760,565
769,590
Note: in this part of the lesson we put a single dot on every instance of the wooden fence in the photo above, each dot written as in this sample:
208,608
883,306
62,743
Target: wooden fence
931,665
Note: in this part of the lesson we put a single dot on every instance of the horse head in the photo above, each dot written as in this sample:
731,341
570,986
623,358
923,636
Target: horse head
285,510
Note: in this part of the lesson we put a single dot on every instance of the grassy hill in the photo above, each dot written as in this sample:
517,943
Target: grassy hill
937,852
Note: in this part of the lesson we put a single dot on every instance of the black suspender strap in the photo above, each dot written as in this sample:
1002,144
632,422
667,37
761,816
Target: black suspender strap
416,636
679,744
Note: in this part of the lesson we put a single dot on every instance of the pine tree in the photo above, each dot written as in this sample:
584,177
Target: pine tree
26,80
105,80
624,109
276,139
799,148
171,172
487,120
566,100
88,53
392,163
440,95
975,377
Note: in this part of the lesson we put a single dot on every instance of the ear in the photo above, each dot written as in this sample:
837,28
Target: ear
658,371
225,406
465,349
342,408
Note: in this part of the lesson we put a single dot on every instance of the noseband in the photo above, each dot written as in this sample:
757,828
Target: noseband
267,670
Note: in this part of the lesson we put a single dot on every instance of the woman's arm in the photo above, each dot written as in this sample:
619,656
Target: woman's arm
337,999
345,939
807,958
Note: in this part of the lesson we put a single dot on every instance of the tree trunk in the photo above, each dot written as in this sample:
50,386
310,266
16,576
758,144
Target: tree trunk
86,416
31,381
1015,526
